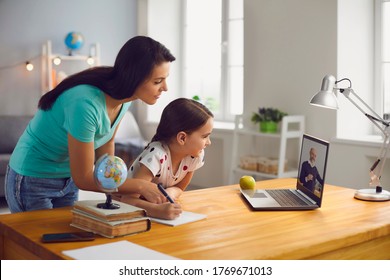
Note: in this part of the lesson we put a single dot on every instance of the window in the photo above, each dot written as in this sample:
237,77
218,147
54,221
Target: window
213,55
383,55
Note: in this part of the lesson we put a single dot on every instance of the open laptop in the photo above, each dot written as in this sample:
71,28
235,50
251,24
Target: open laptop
310,182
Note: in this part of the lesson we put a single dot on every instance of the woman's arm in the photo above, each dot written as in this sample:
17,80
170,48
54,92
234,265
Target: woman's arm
82,158
145,174
108,148
165,210
176,191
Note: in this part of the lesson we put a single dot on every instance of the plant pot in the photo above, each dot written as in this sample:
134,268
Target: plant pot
269,127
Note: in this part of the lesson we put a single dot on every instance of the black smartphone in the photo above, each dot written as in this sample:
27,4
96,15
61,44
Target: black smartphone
68,236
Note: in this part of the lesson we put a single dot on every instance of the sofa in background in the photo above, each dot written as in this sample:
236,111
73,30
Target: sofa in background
11,128
129,142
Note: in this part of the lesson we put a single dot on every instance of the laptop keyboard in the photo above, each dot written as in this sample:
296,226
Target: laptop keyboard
286,198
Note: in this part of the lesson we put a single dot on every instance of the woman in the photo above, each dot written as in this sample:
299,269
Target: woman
76,124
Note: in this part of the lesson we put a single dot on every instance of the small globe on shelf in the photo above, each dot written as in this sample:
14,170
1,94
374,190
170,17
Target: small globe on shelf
110,173
74,41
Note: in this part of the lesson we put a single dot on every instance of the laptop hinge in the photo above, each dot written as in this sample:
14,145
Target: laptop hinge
305,197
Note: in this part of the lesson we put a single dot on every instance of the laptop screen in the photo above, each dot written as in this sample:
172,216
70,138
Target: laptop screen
312,167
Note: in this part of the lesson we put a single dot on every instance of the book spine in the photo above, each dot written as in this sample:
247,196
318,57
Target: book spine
113,217
108,230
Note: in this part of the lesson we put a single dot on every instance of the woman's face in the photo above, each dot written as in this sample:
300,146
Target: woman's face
150,90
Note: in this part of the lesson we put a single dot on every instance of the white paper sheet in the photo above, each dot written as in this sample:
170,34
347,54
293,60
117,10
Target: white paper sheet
184,218
121,250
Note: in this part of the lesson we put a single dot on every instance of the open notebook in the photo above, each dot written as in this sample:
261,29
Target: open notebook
309,186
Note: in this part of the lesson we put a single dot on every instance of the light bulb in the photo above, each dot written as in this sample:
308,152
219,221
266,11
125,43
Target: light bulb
29,66
57,60
90,60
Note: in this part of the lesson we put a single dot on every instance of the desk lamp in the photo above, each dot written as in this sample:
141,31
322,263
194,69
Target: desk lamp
327,98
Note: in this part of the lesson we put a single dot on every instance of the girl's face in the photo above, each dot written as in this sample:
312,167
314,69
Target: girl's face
150,90
199,139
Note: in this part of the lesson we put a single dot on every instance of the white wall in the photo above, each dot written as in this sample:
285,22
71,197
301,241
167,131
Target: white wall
25,25
289,47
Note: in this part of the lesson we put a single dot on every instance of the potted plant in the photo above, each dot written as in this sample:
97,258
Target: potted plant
268,119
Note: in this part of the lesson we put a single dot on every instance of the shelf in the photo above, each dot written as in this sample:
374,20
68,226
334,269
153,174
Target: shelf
71,57
256,133
288,134
49,75
285,174
291,127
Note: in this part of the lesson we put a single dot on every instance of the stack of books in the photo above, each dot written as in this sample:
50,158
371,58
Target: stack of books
110,223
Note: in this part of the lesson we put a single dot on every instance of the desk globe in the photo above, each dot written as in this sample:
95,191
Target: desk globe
74,41
110,173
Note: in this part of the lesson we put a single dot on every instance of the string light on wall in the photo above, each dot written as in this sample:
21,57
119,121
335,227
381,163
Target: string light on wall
29,66
57,60
90,61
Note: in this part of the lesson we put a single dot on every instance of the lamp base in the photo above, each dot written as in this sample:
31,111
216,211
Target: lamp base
372,195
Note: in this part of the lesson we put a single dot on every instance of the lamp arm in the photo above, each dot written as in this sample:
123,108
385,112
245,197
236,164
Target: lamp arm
375,119
383,154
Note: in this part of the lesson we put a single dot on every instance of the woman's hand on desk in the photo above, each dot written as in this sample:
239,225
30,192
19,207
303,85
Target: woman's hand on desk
151,193
143,189
174,192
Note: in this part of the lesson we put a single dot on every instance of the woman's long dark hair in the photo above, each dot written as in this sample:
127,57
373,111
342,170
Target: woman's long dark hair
181,114
133,65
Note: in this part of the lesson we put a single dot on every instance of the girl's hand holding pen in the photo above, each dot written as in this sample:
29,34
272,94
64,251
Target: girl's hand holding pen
166,195
169,211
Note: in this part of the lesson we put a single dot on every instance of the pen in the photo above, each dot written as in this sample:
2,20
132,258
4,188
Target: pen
161,188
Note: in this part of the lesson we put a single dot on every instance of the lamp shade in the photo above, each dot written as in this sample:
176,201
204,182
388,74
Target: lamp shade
325,97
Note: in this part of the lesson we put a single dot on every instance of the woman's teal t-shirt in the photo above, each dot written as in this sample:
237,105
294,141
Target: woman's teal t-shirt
42,150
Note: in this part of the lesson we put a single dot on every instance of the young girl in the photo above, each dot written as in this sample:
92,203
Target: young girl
175,152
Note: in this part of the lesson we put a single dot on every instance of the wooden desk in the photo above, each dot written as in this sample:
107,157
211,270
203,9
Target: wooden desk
344,228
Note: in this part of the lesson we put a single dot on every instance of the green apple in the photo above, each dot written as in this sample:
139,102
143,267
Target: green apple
247,182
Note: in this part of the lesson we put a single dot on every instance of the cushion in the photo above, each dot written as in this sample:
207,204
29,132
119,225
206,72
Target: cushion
11,128
4,159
